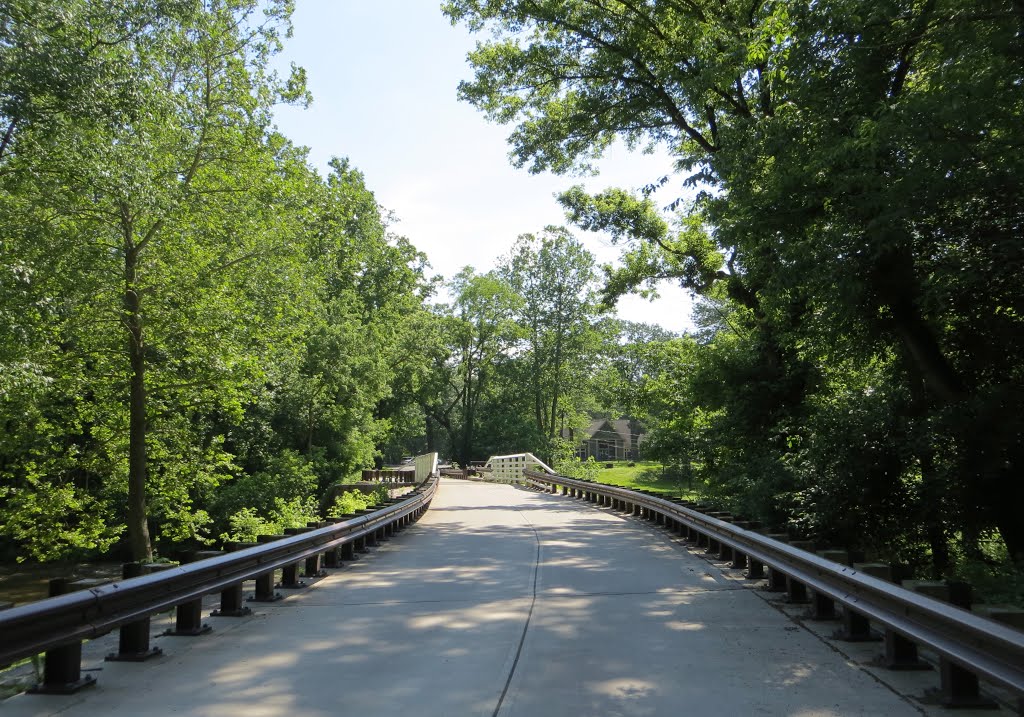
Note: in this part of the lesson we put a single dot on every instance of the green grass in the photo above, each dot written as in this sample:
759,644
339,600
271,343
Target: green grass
645,475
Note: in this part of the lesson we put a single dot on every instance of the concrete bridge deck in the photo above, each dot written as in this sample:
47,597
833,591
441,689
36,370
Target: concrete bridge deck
502,601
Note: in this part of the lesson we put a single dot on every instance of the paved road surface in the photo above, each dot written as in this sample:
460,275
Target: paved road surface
500,601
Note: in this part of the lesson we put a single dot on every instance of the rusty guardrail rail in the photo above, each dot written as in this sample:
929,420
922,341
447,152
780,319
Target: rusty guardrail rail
58,625
968,646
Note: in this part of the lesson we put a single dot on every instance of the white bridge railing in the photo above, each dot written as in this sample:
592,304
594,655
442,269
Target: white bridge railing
511,467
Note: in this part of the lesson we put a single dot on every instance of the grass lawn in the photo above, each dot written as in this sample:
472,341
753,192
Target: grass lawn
646,475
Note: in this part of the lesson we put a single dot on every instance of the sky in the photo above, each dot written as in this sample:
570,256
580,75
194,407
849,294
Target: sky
384,76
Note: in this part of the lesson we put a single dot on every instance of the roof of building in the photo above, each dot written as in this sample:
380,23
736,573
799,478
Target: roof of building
605,429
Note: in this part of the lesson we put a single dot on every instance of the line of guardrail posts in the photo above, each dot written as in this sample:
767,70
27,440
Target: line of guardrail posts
133,638
62,666
265,581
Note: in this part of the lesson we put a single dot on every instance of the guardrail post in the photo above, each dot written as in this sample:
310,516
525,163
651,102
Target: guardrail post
332,558
776,580
313,568
311,565
822,607
188,620
62,666
755,569
133,638
796,591
901,653
856,627
232,601
290,577
960,686
265,581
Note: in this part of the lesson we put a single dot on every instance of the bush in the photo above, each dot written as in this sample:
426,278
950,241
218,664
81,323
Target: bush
288,477
246,524
349,502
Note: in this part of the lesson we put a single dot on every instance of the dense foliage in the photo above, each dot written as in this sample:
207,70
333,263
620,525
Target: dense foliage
195,325
852,222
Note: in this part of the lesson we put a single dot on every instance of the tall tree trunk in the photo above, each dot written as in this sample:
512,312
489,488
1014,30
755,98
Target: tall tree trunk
896,288
138,527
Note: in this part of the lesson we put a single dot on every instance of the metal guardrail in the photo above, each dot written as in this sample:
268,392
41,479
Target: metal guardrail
968,646
56,623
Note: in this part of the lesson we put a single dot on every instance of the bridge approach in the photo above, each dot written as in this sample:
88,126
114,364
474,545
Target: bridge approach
505,601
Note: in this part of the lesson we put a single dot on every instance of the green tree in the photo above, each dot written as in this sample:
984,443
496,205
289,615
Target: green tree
479,327
861,196
553,275
150,213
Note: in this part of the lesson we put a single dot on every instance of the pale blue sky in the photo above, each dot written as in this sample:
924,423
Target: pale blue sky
384,74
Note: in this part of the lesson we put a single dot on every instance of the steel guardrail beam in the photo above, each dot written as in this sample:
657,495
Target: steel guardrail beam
984,647
36,627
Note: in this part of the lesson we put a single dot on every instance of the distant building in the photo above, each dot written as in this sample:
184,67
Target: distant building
608,440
